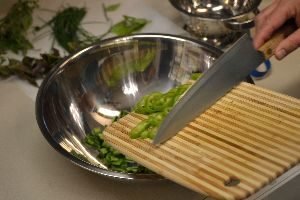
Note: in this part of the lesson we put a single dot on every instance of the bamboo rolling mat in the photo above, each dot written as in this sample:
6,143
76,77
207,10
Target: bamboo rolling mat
244,141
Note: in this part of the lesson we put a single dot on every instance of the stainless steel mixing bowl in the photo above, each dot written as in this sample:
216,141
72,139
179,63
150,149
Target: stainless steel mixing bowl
92,86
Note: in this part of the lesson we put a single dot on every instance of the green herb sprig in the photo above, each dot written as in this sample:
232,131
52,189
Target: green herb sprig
14,27
67,30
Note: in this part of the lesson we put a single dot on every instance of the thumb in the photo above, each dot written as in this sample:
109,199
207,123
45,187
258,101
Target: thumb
288,45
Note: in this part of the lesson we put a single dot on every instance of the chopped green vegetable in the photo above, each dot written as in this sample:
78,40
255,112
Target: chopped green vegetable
112,158
195,76
128,25
156,105
159,102
147,128
112,7
14,27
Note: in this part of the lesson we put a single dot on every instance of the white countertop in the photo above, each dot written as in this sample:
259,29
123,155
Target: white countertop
31,169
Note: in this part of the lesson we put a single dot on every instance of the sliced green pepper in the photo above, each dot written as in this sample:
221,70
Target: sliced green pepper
156,105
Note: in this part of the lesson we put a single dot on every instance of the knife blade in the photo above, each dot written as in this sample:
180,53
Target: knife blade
229,70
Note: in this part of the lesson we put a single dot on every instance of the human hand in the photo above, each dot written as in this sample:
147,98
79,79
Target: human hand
273,17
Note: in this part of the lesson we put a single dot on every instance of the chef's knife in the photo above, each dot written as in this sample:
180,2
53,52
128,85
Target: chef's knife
228,70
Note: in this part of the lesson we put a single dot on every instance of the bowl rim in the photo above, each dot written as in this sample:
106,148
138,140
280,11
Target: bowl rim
59,66
175,4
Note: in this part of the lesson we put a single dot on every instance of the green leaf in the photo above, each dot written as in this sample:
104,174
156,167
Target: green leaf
129,25
112,7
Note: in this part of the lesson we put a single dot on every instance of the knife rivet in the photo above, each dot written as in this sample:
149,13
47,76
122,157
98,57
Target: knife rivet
269,52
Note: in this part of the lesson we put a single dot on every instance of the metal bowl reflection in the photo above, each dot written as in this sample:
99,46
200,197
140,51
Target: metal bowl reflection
92,86
219,23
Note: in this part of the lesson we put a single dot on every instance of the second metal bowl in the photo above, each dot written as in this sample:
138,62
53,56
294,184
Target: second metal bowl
217,22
